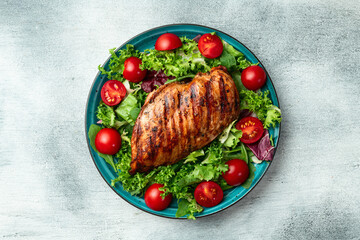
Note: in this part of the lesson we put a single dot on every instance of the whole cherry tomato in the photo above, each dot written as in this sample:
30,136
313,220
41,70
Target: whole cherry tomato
253,77
108,141
167,41
238,172
132,71
210,46
208,194
153,199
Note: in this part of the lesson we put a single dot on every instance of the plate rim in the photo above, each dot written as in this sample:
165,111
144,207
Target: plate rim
108,59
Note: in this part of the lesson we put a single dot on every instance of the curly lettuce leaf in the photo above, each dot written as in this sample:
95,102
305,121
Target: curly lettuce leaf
243,63
107,116
261,104
134,184
214,153
257,102
273,116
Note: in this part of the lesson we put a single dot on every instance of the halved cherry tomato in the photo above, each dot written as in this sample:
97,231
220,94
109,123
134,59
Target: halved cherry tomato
108,141
238,172
252,129
153,199
210,46
208,194
132,71
253,77
113,92
167,41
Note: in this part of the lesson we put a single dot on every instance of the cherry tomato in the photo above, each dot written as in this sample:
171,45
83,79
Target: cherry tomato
167,41
210,46
113,92
153,199
208,194
252,129
132,71
238,172
108,141
253,77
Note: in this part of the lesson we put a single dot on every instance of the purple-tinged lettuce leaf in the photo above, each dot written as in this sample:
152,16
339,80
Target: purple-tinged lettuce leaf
263,149
154,79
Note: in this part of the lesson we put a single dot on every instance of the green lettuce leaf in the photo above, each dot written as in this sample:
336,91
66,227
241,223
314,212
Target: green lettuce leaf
233,59
223,184
134,113
125,108
228,60
231,50
230,137
248,182
238,153
188,206
233,138
225,134
236,75
193,157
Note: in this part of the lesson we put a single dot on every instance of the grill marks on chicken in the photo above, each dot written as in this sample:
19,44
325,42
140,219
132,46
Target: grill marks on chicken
179,118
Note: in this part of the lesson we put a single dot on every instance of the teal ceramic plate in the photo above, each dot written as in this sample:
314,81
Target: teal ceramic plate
147,40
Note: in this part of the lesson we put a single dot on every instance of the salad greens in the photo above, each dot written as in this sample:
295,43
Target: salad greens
260,104
183,61
208,163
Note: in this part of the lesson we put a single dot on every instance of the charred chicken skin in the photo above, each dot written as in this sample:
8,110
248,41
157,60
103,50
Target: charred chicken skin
179,118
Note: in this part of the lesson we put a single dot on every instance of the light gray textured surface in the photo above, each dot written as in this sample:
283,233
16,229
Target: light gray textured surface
50,50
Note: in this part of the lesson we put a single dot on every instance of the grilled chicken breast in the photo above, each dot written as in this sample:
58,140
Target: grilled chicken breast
179,118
